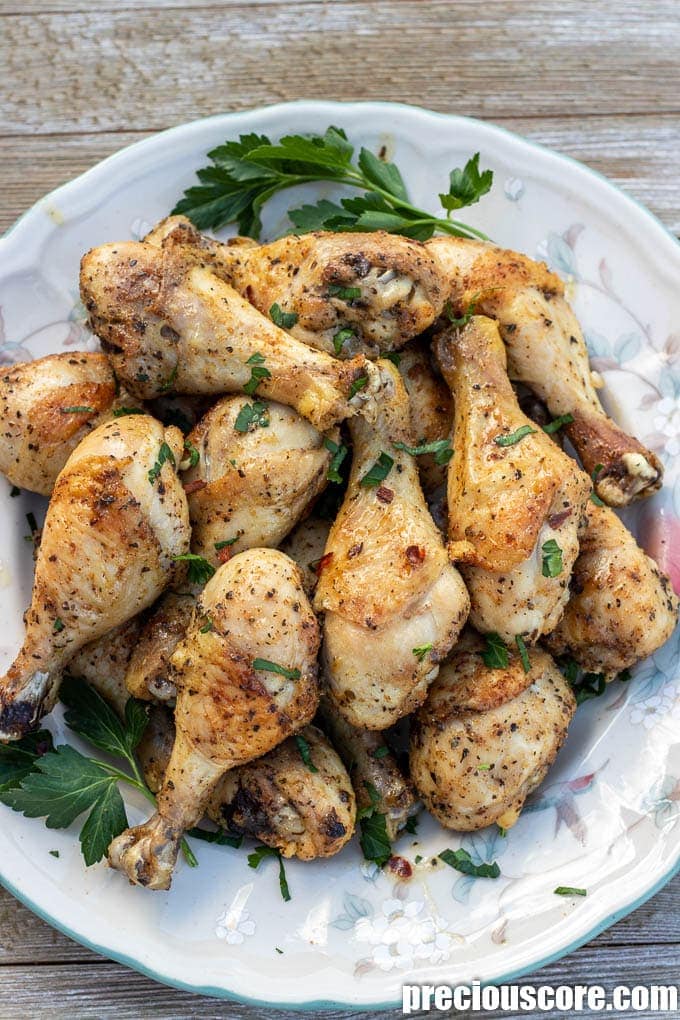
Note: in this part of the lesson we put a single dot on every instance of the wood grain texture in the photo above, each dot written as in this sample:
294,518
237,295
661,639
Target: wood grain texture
110,70
596,79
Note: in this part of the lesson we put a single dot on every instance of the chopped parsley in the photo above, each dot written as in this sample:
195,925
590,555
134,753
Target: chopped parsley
441,448
207,626
169,382
465,317
341,338
344,293
381,752
552,558
121,412
14,492
339,453
274,667
58,626
593,495
378,473
421,651
255,415
256,858
225,542
570,890
412,825
495,655
305,753
257,373
556,424
199,571
165,455
523,654
193,453
514,437
285,320
461,861
357,385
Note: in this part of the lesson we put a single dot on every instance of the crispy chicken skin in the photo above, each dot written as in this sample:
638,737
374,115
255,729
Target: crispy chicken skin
382,287
505,502
371,774
103,663
170,324
253,481
485,738
148,672
229,711
386,585
305,545
547,352
117,519
46,407
621,607
280,801
431,411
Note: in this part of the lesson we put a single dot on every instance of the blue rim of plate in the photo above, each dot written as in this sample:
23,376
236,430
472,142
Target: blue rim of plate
319,1004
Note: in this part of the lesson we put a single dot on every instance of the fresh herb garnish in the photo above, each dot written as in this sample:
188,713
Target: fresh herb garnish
357,385
274,667
394,357
220,837
594,498
485,767
193,453
199,571
556,424
58,626
341,338
207,625
34,530
374,841
225,542
412,825
552,558
60,784
495,655
344,293
374,798
257,373
339,453
165,454
381,752
461,861
78,409
255,415
378,473
523,654
441,448
514,437
245,174
305,753
121,412
53,853
14,491
570,890
465,317
285,320
256,858
169,382
421,651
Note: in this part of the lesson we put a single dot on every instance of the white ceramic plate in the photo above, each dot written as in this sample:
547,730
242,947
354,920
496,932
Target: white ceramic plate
608,817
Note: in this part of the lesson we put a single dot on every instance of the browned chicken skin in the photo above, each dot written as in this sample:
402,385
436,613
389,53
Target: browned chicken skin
148,672
621,607
547,352
351,293
170,324
231,706
431,411
47,407
393,604
485,738
117,519
508,502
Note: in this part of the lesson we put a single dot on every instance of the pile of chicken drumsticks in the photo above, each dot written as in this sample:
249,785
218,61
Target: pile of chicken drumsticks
355,622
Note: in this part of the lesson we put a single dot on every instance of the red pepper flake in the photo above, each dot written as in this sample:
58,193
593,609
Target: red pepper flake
355,550
556,519
323,563
224,554
384,494
195,486
415,554
400,866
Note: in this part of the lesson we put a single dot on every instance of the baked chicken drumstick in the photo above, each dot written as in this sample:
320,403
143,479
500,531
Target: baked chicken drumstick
117,520
170,324
547,352
514,498
393,602
246,678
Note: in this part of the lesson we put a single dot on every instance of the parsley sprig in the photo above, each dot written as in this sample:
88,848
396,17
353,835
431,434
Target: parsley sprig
60,784
374,841
243,175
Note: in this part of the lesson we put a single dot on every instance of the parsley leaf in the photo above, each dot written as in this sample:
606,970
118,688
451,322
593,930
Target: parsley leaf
165,455
381,752
514,437
220,837
495,655
252,416
194,455
569,890
461,861
273,667
523,653
465,317
199,570
244,174
412,825
20,757
121,412
341,338
378,473
257,373
339,454
305,753
285,320
552,559
441,448
374,841
344,293
421,651
357,385
91,717
556,424
256,858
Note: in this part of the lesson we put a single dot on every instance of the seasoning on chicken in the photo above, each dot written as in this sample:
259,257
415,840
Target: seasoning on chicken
168,324
103,663
431,415
547,352
393,602
47,407
244,683
515,499
485,738
117,520
621,607
305,545
148,672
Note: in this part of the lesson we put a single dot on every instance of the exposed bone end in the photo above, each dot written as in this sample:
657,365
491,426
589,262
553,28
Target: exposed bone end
147,853
634,476
24,700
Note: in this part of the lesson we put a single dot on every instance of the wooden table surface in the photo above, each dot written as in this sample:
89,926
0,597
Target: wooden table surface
596,79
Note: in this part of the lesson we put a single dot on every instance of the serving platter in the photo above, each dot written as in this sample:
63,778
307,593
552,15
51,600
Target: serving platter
608,816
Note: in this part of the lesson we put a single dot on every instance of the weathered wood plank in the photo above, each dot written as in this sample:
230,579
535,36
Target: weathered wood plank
638,153
108,992
110,70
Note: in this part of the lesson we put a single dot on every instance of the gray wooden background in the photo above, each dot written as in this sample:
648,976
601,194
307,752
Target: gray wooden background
596,79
